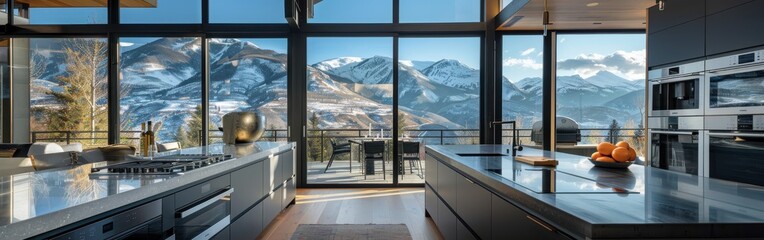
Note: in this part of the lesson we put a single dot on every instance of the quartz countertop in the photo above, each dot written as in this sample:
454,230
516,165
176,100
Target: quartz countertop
37,202
633,202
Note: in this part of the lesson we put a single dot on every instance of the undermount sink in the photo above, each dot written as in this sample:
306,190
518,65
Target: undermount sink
481,154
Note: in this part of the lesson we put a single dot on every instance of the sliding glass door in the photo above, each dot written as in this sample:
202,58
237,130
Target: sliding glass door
349,110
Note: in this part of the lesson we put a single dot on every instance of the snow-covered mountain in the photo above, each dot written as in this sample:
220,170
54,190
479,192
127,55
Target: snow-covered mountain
453,73
162,80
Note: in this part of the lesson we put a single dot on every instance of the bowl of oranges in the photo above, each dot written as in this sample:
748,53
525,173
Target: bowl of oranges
620,155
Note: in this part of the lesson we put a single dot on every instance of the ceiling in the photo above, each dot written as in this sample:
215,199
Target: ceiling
86,3
576,15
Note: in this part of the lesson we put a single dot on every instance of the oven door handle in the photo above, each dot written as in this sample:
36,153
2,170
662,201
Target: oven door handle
674,132
204,204
735,134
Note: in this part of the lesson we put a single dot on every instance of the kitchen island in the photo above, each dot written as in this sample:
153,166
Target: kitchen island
473,192
259,179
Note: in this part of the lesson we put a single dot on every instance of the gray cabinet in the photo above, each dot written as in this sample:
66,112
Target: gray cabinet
247,188
736,28
249,225
715,6
462,233
288,168
431,171
678,43
289,192
272,206
224,234
509,222
431,202
447,184
473,205
675,13
446,222
277,174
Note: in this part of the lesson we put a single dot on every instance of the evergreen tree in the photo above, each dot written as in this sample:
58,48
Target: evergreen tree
401,124
314,140
613,132
190,134
83,98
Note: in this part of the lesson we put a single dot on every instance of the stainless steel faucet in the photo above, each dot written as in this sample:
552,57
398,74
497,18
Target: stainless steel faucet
515,146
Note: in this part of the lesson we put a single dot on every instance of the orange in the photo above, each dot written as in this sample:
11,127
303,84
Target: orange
632,154
621,154
622,144
605,148
596,155
605,159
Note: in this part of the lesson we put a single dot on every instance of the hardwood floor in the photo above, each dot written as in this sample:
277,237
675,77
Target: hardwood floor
355,206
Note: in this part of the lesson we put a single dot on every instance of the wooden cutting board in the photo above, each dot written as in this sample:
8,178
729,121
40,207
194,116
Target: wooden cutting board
537,160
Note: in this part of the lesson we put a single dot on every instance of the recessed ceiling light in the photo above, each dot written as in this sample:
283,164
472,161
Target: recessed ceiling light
597,23
592,4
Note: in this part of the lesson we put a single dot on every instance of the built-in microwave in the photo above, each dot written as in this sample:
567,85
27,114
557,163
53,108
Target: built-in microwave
734,148
735,84
676,91
676,144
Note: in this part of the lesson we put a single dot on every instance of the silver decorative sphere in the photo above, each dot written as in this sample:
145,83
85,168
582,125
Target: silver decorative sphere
243,127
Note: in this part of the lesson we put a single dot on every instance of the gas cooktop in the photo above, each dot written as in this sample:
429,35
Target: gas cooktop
163,165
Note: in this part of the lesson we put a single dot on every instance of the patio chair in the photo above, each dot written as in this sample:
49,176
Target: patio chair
410,152
337,149
374,151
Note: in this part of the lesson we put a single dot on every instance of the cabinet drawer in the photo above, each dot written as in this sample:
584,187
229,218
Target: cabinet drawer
287,159
509,222
446,222
272,206
447,184
247,188
473,205
199,191
249,225
431,203
462,233
431,171
290,191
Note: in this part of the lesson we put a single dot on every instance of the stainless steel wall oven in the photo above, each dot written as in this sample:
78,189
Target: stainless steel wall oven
735,148
676,144
735,84
676,91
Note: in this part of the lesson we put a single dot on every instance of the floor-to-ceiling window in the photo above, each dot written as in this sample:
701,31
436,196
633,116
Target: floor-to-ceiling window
349,102
600,88
249,75
522,88
160,81
66,80
61,12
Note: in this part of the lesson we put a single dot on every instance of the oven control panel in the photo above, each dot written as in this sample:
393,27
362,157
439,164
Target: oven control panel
735,123
735,60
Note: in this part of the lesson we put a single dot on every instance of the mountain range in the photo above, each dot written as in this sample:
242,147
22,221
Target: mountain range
161,81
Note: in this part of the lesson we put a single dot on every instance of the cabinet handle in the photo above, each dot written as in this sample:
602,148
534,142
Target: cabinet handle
540,223
468,180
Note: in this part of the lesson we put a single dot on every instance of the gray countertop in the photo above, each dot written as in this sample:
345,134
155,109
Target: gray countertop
602,203
38,202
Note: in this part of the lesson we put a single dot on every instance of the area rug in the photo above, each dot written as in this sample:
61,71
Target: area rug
351,231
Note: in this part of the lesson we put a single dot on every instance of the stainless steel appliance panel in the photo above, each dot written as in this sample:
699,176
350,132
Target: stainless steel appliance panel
676,91
204,218
679,151
735,84
143,222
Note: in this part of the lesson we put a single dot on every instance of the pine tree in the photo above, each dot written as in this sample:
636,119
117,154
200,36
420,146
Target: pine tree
613,132
190,134
314,140
401,124
83,99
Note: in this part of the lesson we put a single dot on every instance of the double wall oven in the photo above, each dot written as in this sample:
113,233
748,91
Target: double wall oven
735,84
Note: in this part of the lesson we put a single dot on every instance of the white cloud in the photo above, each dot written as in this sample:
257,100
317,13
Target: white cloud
126,44
523,62
562,40
540,53
528,51
630,65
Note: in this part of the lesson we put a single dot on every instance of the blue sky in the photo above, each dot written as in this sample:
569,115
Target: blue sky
577,54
